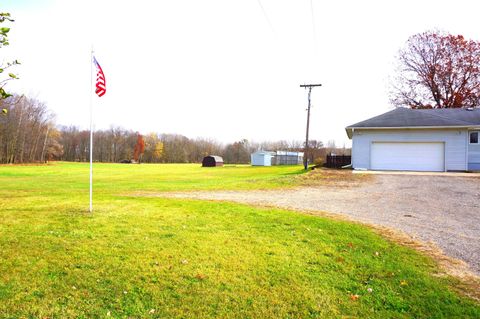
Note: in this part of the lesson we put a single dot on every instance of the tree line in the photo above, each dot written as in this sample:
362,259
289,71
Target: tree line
29,134
117,144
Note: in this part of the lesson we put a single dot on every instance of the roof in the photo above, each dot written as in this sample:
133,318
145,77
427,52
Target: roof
424,118
261,152
289,153
278,153
216,158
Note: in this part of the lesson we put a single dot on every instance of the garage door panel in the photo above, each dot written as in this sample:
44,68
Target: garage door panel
407,156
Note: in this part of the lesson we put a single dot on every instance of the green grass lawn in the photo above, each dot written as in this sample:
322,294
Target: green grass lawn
138,257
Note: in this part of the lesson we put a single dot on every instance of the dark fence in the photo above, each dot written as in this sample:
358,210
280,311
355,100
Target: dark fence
337,161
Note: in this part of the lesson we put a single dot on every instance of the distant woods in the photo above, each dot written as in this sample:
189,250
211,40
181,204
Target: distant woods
29,134
118,144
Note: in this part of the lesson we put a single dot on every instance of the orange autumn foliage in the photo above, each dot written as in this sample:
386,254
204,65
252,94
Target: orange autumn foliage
438,70
139,148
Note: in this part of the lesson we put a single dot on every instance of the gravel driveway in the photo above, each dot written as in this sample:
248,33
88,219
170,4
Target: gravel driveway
444,210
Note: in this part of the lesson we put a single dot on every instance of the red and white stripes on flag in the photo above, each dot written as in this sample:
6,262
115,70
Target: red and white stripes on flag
100,84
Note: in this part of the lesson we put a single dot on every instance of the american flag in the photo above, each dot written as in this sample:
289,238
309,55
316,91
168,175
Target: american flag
100,85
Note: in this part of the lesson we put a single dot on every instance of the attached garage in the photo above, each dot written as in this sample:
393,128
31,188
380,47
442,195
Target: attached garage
412,156
417,140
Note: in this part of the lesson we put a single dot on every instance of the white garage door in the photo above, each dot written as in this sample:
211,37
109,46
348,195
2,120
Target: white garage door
407,156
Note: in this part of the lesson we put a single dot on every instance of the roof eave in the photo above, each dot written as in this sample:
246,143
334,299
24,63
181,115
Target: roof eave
351,129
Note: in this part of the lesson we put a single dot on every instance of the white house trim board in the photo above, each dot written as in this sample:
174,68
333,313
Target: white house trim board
467,142
352,130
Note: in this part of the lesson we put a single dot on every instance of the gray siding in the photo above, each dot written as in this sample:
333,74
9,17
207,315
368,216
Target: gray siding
455,144
474,153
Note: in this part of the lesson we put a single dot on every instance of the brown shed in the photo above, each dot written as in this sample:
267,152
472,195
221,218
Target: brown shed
212,161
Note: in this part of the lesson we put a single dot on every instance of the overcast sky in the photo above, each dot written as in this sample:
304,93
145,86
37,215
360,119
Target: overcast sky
221,69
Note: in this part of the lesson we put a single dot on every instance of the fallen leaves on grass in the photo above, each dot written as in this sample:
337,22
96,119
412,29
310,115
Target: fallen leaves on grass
200,276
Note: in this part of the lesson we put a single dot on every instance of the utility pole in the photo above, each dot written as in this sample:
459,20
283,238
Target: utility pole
305,156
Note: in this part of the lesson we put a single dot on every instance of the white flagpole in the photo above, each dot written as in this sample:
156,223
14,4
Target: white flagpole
91,130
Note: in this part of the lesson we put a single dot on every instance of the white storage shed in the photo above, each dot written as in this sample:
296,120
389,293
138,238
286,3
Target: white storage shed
262,158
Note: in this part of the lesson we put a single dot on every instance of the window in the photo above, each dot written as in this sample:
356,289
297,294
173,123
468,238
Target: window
473,137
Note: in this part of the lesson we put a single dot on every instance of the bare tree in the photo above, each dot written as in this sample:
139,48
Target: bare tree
237,153
24,133
437,70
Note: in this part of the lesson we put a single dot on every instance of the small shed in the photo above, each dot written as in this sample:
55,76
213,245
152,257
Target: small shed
288,158
212,161
262,158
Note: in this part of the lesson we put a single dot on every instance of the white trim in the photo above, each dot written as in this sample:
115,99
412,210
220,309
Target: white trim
466,150
478,137
470,127
351,129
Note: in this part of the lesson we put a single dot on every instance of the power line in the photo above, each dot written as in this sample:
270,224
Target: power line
313,23
266,16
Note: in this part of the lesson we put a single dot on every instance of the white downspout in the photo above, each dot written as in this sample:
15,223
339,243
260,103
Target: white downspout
467,140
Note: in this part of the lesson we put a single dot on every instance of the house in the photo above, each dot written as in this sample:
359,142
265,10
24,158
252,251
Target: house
418,140
212,161
262,158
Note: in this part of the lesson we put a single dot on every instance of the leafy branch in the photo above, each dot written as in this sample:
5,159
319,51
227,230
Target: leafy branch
5,17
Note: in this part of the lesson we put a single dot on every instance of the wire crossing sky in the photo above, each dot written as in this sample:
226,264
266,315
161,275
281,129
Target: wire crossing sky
221,69
266,16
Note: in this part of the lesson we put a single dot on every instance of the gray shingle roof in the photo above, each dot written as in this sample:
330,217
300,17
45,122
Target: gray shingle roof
403,117
471,116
